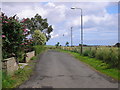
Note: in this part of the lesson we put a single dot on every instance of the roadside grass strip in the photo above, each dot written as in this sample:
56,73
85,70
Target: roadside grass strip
21,75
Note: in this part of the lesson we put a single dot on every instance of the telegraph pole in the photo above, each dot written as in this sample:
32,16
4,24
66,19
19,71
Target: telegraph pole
81,33
71,36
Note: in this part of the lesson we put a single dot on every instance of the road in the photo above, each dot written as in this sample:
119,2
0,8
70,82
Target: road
61,70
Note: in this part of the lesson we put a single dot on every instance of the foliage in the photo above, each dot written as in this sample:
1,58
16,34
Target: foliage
21,56
15,32
108,55
39,48
38,23
58,44
34,58
92,52
67,44
86,52
20,76
7,81
39,38
97,64
13,36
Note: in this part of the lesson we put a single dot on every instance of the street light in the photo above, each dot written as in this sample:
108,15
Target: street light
81,29
71,36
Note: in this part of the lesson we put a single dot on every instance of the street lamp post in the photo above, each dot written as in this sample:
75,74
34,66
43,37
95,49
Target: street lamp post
71,36
81,29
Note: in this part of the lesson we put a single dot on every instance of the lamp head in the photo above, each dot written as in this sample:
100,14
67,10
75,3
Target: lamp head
73,8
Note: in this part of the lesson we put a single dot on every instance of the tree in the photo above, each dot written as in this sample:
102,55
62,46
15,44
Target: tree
39,38
12,36
57,44
67,44
38,23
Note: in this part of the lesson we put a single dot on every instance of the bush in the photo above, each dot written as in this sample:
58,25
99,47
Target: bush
34,58
99,54
114,61
92,53
39,37
21,56
12,36
38,49
108,55
86,52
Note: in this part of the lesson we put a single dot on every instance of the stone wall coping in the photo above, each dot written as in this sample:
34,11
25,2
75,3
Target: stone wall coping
30,52
8,59
14,57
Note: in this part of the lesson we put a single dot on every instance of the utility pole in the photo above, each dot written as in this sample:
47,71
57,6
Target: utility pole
81,33
71,36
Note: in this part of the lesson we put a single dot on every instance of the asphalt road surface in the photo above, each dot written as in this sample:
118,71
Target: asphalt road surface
61,70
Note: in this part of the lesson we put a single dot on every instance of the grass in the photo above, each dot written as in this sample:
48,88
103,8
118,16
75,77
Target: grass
97,65
109,55
21,75
39,49
34,58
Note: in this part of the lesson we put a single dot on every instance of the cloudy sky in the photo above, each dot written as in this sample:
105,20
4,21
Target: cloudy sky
100,20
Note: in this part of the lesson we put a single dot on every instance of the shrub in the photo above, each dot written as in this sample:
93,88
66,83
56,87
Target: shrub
92,53
86,52
12,36
21,56
38,49
114,61
39,38
99,54
15,43
108,55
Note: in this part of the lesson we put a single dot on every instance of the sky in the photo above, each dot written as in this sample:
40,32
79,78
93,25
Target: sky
100,20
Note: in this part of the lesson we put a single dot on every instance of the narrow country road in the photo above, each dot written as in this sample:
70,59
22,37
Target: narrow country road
61,70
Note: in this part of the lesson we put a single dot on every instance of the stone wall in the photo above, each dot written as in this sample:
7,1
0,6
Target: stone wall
30,55
9,65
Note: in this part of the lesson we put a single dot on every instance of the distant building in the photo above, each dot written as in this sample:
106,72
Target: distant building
117,45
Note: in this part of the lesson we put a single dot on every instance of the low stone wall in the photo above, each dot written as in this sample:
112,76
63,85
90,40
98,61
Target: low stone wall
9,65
30,55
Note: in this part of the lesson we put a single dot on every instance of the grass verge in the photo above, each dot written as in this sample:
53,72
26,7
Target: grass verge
19,76
22,74
97,65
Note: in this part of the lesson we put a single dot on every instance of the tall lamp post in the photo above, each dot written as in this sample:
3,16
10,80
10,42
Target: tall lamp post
81,29
71,36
